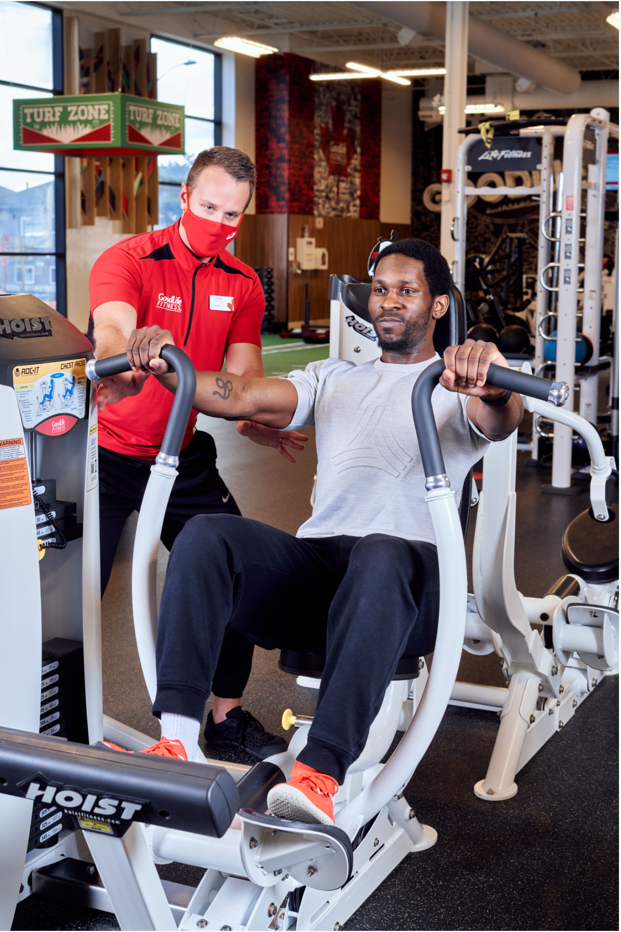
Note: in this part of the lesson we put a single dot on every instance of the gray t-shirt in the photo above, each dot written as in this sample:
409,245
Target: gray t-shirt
370,476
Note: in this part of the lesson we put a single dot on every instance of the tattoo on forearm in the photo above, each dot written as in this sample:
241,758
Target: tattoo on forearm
225,389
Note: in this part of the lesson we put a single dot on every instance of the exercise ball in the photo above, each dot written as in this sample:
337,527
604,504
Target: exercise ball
514,339
584,348
515,320
483,332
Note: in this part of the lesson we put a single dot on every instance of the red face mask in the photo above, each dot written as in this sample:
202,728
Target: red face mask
206,237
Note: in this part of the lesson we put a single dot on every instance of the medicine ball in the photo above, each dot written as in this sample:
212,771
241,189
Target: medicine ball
514,339
584,349
483,332
514,320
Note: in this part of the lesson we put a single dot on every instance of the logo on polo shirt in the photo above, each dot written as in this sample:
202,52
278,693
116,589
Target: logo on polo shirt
169,304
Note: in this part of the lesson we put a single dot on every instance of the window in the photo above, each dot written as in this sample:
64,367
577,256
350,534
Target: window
188,76
32,216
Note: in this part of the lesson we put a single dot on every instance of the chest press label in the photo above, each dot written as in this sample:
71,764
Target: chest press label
51,390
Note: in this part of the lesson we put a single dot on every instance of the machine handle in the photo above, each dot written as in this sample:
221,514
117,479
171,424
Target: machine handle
424,421
179,361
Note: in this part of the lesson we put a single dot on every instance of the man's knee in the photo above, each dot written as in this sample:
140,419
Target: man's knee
380,552
204,536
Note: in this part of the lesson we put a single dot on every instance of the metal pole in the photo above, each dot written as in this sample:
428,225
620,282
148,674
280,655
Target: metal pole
593,255
543,257
455,88
614,377
568,297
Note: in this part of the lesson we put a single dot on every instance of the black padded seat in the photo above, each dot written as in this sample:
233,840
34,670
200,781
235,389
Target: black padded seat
311,663
590,548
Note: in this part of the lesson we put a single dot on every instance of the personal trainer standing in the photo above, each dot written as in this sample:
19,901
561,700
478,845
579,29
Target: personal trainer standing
182,279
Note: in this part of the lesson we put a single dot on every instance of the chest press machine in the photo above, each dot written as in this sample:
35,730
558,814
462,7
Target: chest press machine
127,813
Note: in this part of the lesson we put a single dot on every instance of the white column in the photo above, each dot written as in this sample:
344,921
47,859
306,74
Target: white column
568,297
543,255
593,256
455,88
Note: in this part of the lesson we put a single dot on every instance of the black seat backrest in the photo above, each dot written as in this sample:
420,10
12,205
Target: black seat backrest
449,331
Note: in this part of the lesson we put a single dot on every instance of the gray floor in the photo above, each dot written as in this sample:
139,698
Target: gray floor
545,860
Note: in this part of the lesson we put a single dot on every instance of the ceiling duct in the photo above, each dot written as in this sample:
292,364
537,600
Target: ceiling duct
484,41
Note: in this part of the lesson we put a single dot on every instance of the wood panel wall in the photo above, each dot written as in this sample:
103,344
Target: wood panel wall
264,239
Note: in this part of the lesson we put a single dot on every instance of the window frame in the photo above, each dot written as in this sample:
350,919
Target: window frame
217,93
58,173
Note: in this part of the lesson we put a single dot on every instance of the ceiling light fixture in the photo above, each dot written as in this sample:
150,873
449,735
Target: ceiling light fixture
478,108
613,19
370,72
338,76
360,71
415,72
244,46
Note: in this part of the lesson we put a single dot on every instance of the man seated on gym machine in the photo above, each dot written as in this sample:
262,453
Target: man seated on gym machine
362,572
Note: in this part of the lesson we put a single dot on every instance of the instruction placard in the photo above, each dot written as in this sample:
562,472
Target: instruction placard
14,484
49,389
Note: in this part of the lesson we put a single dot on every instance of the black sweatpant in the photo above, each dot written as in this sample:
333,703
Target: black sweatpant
198,489
368,600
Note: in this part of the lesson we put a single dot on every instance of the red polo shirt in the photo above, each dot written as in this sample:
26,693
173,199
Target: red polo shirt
205,305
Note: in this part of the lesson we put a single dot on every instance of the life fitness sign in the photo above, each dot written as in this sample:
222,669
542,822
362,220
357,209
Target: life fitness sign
510,162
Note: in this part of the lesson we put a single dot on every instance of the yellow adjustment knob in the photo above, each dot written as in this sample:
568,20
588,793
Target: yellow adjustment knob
42,548
288,719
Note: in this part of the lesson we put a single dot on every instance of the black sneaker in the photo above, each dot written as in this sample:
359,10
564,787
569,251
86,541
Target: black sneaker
241,730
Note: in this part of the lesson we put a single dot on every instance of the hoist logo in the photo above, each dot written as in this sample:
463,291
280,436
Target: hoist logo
362,329
25,327
79,802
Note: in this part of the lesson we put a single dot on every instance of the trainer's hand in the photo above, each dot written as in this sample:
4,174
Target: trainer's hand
466,369
270,437
143,350
116,387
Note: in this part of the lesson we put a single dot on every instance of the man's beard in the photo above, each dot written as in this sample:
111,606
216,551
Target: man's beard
414,333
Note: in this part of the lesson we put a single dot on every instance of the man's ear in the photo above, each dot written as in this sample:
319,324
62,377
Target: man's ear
440,306
184,197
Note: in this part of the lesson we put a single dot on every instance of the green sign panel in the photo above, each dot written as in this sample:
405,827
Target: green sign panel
98,124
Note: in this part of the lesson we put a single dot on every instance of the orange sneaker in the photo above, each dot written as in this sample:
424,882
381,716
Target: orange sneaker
164,748
307,797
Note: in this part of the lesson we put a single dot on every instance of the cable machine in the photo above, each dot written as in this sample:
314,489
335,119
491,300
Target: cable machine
570,246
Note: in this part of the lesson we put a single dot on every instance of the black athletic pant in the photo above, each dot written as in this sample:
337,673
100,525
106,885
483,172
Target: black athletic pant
369,600
198,489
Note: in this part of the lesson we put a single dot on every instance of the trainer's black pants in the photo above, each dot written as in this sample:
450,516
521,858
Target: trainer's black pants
369,600
198,489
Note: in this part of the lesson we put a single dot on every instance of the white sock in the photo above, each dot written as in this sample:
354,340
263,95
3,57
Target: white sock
181,728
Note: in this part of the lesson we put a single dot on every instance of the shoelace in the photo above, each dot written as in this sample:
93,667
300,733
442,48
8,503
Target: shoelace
247,718
320,783
165,749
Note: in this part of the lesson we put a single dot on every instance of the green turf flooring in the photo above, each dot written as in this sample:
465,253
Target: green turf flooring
280,357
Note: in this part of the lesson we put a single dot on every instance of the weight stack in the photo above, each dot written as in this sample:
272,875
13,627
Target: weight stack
266,277
63,700
63,713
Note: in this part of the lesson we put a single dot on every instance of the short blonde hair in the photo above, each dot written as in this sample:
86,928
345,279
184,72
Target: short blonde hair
235,163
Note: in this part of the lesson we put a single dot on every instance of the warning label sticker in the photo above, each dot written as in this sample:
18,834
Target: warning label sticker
14,484
92,456
49,389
